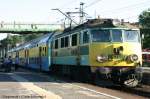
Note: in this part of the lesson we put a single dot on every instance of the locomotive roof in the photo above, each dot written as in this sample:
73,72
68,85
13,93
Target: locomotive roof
94,24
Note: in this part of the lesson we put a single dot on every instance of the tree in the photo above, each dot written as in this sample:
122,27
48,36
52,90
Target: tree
29,37
12,40
144,21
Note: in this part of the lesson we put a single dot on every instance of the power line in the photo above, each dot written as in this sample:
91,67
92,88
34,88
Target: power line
67,3
91,4
127,12
125,7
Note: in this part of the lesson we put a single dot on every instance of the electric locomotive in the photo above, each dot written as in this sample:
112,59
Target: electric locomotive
97,49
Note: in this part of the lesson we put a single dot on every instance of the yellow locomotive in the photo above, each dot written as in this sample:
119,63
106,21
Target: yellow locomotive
99,50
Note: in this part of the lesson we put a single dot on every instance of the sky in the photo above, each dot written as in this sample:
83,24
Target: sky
39,11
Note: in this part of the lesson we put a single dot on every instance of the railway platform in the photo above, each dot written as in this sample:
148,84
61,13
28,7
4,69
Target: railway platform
27,84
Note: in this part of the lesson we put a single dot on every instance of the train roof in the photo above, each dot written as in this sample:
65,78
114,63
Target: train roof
44,39
93,24
41,40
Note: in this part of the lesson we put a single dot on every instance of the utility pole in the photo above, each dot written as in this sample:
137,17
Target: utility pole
81,12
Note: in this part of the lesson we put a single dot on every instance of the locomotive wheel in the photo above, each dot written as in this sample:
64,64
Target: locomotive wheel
131,82
134,79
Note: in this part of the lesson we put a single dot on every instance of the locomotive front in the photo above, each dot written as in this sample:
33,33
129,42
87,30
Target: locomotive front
115,54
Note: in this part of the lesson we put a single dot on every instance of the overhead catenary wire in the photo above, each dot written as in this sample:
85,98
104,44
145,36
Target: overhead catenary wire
125,7
66,4
127,12
118,9
91,4
110,11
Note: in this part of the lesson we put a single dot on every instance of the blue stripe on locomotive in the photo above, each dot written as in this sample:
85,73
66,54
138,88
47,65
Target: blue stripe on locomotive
71,60
85,60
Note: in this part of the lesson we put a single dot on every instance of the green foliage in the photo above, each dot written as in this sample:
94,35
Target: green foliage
144,20
29,37
13,40
146,39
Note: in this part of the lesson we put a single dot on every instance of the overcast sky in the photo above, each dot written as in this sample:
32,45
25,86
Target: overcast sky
39,11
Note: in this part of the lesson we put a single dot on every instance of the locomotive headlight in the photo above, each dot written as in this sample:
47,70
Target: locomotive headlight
101,58
133,58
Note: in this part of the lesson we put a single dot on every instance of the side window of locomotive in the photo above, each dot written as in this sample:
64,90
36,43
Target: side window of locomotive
74,40
85,37
56,44
66,41
62,42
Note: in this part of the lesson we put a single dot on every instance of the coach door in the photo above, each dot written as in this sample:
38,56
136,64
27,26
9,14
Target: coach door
40,58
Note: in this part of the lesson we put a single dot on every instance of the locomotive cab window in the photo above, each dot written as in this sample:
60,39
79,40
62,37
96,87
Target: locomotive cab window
116,35
100,35
74,40
85,37
131,36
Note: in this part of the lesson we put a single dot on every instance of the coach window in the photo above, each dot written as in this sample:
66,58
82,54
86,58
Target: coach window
74,40
85,37
62,42
66,41
56,44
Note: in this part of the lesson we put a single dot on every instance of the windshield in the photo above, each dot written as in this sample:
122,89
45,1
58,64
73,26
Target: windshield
131,36
116,35
100,35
